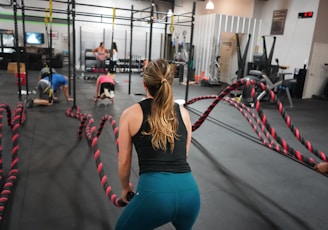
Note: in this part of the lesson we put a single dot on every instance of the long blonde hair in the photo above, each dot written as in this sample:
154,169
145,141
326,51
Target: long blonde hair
158,78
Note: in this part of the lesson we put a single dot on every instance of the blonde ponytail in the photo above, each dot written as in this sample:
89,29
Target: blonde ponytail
162,120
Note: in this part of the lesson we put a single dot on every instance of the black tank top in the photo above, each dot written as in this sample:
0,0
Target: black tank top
151,160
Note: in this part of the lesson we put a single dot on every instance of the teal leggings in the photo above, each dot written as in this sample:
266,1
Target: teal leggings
162,198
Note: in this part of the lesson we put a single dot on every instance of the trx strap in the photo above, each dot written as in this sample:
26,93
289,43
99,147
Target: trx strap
47,89
172,23
113,24
47,20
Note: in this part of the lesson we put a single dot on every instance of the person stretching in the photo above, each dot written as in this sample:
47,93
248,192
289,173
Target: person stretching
105,87
47,90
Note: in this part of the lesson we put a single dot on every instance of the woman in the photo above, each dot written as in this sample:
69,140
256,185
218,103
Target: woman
101,54
160,131
105,87
114,60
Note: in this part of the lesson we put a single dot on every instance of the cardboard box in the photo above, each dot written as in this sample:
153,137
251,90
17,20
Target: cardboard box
12,67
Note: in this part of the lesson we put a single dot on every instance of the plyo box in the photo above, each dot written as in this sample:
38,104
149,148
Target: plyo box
12,67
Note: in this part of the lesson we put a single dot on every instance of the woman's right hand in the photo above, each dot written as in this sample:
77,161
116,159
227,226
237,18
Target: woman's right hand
322,167
127,195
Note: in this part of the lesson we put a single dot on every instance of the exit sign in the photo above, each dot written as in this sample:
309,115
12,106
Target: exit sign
308,14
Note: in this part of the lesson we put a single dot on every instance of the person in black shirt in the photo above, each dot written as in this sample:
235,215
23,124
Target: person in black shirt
160,131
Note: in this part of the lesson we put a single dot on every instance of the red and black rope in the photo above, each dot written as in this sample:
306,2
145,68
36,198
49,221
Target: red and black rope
9,182
270,143
218,98
260,125
253,121
286,149
92,134
291,126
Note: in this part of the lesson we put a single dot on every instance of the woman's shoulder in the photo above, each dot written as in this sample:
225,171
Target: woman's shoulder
184,112
132,110
131,113
137,107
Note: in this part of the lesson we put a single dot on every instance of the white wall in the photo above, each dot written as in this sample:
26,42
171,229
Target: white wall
294,46
317,75
241,8
208,37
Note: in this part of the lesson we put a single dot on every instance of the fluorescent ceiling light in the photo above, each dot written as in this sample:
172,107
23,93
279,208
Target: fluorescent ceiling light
209,5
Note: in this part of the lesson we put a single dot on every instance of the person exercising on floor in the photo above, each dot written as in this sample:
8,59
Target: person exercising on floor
105,87
46,89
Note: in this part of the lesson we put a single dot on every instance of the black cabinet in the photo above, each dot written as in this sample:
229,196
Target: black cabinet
300,79
5,58
57,61
34,61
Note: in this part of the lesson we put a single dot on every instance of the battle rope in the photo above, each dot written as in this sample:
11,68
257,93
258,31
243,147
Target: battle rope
264,136
268,135
92,134
270,142
224,93
273,98
290,125
253,121
8,183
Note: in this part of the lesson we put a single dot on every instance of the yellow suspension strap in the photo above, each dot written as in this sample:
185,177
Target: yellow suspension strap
46,21
113,19
50,95
172,24
48,90
50,11
50,51
46,17
113,24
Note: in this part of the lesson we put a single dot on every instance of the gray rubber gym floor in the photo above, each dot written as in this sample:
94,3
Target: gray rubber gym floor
243,184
